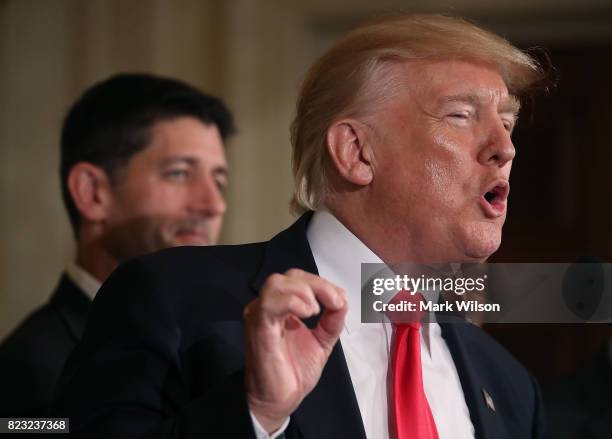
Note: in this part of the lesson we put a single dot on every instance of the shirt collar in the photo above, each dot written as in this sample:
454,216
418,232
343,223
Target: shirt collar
339,254
82,279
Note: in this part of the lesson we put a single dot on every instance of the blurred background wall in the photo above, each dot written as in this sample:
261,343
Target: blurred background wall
253,54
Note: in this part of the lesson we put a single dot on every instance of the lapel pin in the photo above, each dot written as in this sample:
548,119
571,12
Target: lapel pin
488,400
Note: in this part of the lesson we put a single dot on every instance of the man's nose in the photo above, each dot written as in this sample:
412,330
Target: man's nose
498,148
207,198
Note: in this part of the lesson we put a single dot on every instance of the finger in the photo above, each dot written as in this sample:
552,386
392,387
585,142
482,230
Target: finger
292,323
277,305
331,296
278,283
334,299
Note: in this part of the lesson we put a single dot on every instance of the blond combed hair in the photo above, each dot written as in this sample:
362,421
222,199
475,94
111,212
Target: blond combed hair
348,81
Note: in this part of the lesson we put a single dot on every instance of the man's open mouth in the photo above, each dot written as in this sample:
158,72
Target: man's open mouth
494,199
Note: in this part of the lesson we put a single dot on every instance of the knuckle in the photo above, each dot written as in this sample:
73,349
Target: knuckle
294,302
272,282
293,272
268,306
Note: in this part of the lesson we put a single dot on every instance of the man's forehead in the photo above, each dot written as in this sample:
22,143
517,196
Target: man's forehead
443,81
181,140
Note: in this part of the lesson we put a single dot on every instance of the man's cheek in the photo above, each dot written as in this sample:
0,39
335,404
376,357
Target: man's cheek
435,173
214,229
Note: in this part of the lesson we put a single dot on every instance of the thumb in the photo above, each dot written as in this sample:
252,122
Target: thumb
330,325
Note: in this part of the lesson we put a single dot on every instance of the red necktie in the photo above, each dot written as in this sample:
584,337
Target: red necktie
412,415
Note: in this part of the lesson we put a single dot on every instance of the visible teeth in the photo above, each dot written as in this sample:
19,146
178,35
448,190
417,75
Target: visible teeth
489,196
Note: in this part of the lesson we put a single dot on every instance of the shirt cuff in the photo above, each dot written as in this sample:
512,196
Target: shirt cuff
260,433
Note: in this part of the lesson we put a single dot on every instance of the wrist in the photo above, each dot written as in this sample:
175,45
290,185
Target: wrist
268,419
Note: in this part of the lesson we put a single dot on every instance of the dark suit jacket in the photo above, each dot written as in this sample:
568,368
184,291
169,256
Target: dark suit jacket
162,355
580,407
33,355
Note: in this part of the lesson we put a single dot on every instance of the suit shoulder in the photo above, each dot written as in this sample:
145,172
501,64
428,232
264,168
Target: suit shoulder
205,258
31,360
39,332
199,282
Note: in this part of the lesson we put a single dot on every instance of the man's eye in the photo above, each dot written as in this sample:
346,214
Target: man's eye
177,174
509,125
460,117
221,185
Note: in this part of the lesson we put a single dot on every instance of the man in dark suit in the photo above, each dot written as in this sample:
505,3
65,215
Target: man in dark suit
142,168
401,147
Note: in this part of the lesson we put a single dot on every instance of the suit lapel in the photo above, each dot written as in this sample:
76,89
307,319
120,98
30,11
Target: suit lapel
483,416
330,410
288,249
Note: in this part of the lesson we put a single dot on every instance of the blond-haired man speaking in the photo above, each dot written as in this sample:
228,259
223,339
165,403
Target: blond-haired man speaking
402,152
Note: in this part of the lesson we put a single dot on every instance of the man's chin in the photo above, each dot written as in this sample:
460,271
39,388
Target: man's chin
189,239
482,241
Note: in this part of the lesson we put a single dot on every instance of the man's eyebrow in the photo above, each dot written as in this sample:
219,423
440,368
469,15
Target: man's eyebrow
466,98
220,169
510,105
172,160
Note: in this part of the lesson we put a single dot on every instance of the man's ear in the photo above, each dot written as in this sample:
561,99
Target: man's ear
90,189
350,153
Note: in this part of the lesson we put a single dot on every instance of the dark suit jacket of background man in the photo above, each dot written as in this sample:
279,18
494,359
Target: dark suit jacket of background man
163,353
33,355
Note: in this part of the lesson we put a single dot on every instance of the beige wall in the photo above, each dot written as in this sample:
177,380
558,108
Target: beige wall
250,52
33,230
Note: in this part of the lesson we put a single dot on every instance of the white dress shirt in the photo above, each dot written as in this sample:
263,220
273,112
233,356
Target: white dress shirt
82,279
338,255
